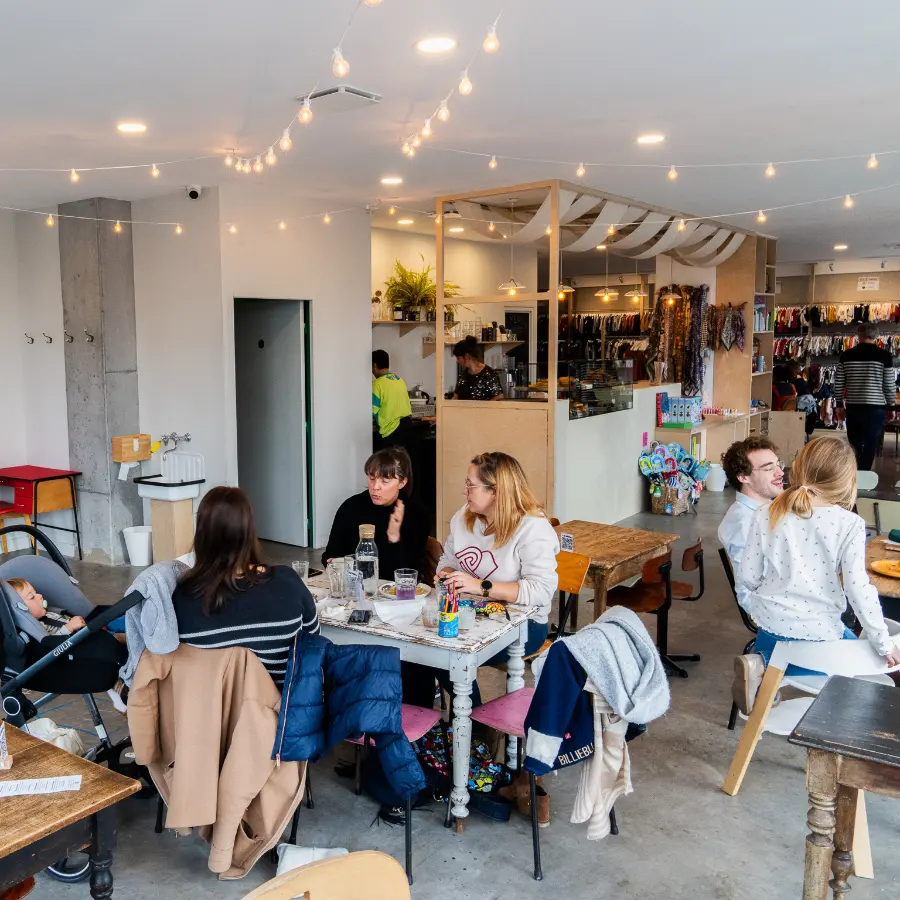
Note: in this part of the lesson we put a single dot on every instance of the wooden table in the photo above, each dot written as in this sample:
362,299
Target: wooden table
460,656
888,588
39,830
852,735
37,489
616,554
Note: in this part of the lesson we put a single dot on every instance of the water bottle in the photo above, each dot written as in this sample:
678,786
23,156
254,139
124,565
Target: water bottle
367,560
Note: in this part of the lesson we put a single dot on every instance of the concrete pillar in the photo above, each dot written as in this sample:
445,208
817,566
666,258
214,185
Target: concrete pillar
97,271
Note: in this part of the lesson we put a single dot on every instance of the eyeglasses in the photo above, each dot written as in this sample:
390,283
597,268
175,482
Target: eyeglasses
471,487
771,467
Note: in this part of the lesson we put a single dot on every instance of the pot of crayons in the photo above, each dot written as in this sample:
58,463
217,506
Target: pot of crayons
448,610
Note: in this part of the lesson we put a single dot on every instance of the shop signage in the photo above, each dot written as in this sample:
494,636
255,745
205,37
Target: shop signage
868,283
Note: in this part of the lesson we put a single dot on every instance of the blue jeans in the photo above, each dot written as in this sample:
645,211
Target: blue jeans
765,643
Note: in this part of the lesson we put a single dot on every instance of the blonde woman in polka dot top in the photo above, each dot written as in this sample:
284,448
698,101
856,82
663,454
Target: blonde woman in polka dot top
806,557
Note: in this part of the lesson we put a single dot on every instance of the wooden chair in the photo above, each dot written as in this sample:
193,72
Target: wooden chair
571,569
7,512
369,874
654,593
433,552
749,624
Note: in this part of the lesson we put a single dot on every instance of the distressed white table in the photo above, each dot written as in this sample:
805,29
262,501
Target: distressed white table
460,656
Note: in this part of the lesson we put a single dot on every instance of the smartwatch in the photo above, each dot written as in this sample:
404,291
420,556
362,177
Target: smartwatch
486,588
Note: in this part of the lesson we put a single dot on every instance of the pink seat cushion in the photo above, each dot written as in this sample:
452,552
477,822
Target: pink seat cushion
417,722
507,713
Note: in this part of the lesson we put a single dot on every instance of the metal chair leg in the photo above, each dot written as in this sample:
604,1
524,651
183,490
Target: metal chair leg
357,763
310,803
732,719
613,825
535,828
295,822
409,875
160,811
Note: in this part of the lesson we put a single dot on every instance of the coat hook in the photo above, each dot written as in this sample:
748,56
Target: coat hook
29,338
47,337
88,337
68,337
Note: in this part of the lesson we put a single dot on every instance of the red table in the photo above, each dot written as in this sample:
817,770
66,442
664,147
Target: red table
58,492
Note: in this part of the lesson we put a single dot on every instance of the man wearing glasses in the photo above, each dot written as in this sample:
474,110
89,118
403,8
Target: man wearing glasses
754,470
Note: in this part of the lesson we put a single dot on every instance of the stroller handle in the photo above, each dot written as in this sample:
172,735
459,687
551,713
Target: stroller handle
96,624
44,541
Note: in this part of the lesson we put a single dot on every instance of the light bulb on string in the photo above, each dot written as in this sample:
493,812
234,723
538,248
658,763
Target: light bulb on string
50,221
492,227
285,143
154,172
372,2
306,114
848,202
229,161
491,42
74,176
548,231
493,163
770,171
246,169
339,65
673,174
117,228
282,225
426,129
391,211
406,148
178,229
412,152
872,162
761,216
464,86
611,230
580,170
443,112
416,140
326,219
258,165
271,158
681,225
232,229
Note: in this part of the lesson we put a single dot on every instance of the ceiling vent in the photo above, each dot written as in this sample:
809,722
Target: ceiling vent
340,99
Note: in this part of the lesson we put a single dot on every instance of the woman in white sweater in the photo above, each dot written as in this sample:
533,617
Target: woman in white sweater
501,546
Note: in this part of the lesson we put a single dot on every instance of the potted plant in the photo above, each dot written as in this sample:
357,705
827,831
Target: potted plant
415,289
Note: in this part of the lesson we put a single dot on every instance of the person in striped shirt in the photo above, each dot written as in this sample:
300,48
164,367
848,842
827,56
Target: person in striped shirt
231,598
864,385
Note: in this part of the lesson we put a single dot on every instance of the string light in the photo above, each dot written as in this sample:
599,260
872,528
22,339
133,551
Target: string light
443,112
673,174
117,228
50,221
492,227
372,2
611,230
306,114
770,171
154,172
412,152
491,42
848,202
229,161
282,225
464,86
326,219
406,148
339,65
761,216
579,172
232,229
271,158
493,163
74,176
178,229
681,225
548,231
426,129
246,168
286,143
438,219
416,140
391,211
257,165
872,162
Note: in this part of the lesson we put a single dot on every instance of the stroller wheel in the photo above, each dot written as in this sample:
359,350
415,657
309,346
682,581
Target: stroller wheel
71,869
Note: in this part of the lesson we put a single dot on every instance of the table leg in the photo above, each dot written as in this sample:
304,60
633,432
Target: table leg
75,514
600,589
822,786
103,841
462,748
842,860
515,679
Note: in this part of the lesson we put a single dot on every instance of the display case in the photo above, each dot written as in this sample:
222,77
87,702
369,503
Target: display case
596,387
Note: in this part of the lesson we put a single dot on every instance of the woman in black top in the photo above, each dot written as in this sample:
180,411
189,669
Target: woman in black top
400,520
477,381
231,598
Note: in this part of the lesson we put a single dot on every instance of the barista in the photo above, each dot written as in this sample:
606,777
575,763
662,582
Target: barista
391,410
476,381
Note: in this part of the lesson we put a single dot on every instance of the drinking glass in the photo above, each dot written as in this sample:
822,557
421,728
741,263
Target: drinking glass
430,613
337,578
301,567
466,615
406,581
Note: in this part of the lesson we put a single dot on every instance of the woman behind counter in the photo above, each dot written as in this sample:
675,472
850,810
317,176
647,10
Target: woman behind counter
400,520
477,381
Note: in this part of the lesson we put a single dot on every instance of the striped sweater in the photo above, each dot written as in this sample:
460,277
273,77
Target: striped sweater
865,376
264,618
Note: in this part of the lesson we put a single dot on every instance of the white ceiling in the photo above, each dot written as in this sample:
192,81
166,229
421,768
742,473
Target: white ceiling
574,80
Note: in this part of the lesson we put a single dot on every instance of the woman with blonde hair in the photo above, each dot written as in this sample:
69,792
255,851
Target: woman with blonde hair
806,557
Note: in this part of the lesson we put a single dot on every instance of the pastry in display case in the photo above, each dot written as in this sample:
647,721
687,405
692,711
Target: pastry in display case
596,387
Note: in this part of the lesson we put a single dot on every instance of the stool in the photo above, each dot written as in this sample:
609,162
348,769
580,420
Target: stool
7,511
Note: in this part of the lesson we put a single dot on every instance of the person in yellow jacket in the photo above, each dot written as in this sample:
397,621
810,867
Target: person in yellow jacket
391,409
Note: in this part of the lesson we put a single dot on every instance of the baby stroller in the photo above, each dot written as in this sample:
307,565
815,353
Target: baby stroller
26,663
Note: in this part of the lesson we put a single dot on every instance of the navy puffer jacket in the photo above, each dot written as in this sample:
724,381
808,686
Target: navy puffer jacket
335,692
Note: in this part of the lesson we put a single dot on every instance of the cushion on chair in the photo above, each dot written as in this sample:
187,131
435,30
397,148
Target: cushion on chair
645,598
506,714
417,722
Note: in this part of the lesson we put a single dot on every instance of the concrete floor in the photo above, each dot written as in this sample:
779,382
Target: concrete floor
681,837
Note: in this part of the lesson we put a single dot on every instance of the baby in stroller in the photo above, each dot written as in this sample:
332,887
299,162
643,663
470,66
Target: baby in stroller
32,602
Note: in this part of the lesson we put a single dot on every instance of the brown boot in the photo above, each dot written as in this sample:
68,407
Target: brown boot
523,804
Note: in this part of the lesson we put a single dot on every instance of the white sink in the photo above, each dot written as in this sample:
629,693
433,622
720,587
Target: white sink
170,492
182,475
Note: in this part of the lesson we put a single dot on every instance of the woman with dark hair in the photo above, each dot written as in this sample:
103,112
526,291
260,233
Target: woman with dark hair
477,381
400,520
231,598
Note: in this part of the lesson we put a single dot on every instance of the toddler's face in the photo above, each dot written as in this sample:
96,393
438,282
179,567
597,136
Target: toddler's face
33,600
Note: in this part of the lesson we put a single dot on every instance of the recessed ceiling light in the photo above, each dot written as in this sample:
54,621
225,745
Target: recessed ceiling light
392,179
131,127
435,44
456,229
651,138
840,246
404,221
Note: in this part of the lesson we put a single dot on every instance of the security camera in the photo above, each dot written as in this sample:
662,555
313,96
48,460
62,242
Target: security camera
193,191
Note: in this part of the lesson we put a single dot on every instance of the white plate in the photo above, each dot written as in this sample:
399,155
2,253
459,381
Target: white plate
389,590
